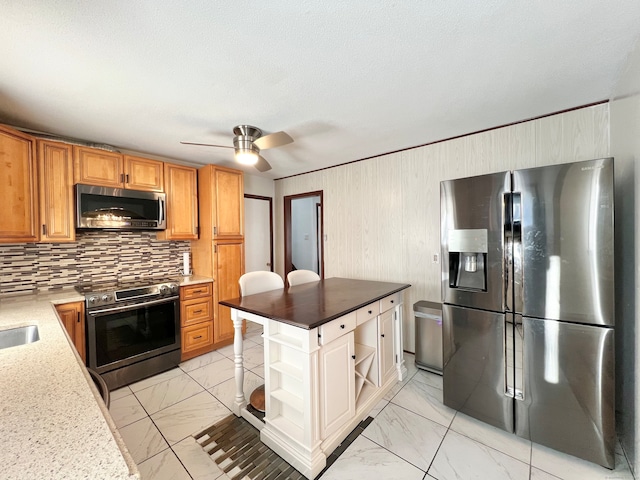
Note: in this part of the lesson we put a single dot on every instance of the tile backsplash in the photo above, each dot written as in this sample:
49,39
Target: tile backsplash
94,256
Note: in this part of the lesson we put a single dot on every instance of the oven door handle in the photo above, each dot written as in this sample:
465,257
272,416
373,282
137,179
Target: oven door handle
132,307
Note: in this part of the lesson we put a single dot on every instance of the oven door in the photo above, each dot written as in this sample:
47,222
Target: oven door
123,335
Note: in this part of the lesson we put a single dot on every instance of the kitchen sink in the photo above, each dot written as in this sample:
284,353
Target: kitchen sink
19,336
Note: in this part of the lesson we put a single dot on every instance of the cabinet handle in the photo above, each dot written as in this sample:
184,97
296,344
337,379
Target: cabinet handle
391,301
215,230
382,335
342,326
44,229
370,311
122,178
196,338
78,314
197,311
126,178
353,356
197,291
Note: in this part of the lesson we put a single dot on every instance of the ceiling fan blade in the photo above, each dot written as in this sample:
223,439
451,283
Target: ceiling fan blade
262,164
273,140
205,144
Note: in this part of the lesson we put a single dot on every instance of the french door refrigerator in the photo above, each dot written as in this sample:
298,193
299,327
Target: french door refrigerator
528,308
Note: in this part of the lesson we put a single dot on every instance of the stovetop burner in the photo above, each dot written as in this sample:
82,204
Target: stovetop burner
110,292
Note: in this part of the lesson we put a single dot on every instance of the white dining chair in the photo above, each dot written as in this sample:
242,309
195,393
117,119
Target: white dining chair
298,277
258,282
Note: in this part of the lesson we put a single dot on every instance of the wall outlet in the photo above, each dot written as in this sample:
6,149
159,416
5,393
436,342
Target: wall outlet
436,258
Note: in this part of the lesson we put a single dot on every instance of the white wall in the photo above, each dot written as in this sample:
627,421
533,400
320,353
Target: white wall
625,146
382,216
256,185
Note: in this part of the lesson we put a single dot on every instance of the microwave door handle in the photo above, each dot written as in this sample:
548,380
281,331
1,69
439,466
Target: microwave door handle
161,207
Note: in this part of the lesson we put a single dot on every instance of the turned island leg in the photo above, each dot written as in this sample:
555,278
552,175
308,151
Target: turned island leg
239,401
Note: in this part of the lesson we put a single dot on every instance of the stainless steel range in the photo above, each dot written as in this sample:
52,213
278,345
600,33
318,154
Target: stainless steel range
133,329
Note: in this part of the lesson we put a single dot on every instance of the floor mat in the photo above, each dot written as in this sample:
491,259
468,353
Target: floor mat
234,444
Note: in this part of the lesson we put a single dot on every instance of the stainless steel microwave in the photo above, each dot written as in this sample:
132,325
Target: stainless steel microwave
105,208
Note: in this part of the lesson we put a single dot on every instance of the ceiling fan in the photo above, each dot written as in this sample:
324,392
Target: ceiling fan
247,143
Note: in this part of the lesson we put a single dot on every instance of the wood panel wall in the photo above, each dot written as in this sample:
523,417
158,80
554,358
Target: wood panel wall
382,216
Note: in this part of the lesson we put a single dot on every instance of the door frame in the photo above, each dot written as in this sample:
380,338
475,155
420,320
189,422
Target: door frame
288,264
270,200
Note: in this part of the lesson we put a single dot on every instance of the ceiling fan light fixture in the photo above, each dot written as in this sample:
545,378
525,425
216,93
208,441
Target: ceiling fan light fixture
246,152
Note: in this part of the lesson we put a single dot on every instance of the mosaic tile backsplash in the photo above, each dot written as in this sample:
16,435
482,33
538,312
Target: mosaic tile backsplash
95,256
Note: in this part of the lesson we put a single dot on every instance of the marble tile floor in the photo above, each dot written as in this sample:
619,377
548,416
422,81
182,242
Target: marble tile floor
412,436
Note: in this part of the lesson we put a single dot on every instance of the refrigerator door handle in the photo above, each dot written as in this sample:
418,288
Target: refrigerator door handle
508,252
509,378
516,278
518,357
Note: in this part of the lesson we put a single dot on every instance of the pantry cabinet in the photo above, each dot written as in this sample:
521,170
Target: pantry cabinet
55,167
18,177
72,317
94,166
182,203
219,250
196,319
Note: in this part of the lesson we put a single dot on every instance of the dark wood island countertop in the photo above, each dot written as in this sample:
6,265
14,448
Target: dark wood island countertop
312,304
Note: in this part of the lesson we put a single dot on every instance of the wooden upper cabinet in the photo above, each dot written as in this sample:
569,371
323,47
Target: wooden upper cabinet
221,194
181,185
98,167
19,219
110,169
229,204
143,174
55,166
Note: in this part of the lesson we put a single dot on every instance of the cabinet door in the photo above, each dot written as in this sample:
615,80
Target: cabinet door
72,317
228,268
182,203
19,220
55,164
337,384
385,346
229,203
143,174
98,167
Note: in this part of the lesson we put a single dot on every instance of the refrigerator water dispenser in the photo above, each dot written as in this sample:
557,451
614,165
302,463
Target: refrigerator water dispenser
468,259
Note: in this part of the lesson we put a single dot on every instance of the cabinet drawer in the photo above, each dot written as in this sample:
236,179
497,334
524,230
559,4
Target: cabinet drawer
196,311
391,301
197,336
196,291
336,328
368,312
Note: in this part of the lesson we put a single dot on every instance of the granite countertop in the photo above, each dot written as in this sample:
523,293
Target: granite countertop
53,423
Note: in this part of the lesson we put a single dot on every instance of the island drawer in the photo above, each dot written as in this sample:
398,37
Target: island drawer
336,328
391,301
367,312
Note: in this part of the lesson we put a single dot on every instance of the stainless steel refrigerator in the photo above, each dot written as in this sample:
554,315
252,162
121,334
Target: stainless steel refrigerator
528,304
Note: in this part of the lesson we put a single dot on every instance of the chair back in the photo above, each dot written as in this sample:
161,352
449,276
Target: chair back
258,282
298,277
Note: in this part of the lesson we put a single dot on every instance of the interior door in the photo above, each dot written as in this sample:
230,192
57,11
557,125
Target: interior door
475,365
258,233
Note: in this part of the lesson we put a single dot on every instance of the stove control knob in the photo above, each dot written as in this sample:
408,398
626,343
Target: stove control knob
164,289
93,300
106,298
173,287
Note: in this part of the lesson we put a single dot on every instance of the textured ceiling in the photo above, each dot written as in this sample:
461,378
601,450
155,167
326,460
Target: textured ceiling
347,80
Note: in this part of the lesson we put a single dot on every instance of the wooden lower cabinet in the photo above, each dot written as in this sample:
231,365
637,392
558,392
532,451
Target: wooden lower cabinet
72,317
196,319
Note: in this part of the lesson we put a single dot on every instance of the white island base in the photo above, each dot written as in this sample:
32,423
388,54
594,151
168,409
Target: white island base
320,383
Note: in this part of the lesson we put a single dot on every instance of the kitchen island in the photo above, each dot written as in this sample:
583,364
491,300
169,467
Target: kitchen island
332,350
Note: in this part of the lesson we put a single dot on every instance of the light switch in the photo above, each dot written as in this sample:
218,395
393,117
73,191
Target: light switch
436,258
